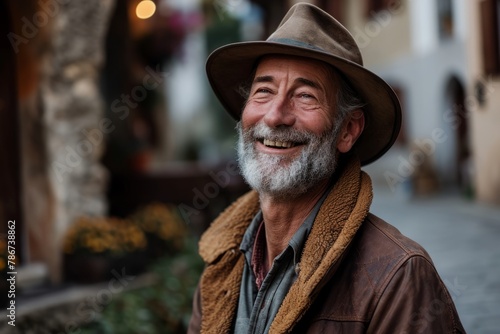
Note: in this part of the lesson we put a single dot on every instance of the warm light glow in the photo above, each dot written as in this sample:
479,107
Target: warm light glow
145,9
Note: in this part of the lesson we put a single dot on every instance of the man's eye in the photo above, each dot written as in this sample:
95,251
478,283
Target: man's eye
306,96
262,90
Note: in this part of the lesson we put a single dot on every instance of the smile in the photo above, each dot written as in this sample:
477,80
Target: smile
278,144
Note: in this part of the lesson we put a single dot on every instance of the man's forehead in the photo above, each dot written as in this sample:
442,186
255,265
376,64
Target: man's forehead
276,63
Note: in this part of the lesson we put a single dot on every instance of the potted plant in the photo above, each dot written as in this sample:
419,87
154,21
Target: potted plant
94,246
163,226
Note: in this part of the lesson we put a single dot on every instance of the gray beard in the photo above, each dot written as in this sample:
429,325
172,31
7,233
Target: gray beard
279,176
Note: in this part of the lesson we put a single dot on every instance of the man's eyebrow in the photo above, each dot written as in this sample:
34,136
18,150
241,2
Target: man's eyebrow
263,78
308,82
304,81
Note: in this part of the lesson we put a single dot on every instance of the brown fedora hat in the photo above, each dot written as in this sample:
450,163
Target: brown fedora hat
308,31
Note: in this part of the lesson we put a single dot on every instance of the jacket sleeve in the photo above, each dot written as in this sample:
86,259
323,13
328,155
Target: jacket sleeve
195,322
415,301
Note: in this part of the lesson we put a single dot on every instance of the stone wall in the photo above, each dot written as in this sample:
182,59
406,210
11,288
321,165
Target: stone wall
62,121
73,112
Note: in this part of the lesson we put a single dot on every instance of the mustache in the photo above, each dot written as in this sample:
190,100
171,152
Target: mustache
261,131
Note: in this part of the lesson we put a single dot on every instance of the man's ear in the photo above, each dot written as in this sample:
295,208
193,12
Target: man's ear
351,130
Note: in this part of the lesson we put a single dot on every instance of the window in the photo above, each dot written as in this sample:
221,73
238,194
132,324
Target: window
490,36
445,17
375,6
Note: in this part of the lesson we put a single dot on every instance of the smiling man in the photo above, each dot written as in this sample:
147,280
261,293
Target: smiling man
290,125
301,253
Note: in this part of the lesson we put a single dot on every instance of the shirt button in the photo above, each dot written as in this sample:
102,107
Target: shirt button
297,269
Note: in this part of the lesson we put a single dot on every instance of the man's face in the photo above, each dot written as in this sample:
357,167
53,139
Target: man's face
287,131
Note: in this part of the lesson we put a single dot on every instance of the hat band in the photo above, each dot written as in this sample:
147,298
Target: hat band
293,42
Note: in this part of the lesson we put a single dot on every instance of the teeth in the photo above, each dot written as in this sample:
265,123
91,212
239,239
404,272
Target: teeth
272,143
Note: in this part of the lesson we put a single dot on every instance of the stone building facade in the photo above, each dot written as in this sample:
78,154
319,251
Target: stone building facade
58,50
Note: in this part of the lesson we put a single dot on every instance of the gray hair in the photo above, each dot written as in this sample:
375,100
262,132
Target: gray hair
348,99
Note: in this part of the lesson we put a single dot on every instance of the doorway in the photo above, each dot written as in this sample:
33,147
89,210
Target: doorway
456,125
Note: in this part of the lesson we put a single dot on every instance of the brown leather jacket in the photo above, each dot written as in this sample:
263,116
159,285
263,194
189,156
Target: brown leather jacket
358,274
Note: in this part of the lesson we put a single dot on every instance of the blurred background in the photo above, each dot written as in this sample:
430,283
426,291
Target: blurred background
116,155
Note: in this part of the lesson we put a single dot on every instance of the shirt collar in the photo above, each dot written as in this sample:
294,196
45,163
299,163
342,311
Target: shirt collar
298,240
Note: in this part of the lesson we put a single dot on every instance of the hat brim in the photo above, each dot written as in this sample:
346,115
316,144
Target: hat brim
229,66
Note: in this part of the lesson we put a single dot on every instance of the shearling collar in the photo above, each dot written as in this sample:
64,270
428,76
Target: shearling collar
337,221
226,232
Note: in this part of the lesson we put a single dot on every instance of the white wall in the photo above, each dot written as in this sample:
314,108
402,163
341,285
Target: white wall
423,25
423,73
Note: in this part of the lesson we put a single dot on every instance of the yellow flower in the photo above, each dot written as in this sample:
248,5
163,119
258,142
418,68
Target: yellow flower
160,220
103,235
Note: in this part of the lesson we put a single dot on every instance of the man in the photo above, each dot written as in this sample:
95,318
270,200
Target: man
301,253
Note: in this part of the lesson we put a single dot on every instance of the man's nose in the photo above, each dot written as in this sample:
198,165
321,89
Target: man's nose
280,113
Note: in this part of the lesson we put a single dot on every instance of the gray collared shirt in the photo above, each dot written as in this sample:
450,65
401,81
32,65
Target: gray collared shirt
257,308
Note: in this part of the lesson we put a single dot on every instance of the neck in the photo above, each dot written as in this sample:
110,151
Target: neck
283,216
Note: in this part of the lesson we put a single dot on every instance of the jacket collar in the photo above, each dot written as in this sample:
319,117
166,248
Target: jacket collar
337,221
335,226
226,232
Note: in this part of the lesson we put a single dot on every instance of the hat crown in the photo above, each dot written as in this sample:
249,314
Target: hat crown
310,27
